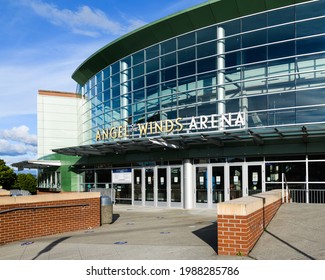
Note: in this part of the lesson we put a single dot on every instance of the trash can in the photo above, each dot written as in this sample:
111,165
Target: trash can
106,208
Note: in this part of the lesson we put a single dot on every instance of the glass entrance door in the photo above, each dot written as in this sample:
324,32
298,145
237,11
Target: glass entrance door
137,181
175,187
255,179
162,187
236,181
149,187
202,186
218,184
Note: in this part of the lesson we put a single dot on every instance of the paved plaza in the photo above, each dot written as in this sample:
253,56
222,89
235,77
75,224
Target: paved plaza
296,232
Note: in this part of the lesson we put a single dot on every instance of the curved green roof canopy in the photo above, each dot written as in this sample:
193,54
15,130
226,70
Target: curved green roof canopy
209,13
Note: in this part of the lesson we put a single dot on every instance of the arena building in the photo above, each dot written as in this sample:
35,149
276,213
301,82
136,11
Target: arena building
216,102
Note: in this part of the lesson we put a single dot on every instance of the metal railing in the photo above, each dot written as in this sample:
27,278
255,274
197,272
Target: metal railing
299,193
42,207
307,196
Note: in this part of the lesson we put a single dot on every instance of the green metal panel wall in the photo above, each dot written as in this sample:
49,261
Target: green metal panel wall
69,178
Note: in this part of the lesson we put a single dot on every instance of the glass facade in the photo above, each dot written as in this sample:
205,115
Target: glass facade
260,76
271,66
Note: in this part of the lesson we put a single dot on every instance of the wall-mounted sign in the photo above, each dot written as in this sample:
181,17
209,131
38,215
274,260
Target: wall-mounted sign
122,176
180,125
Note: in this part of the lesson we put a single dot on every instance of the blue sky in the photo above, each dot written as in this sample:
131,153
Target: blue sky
44,41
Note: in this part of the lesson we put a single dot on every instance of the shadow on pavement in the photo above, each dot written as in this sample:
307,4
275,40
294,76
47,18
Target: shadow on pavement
49,247
115,218
209,235
289,245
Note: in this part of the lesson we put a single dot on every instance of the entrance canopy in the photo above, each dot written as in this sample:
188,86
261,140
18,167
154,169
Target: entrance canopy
36,164
256,135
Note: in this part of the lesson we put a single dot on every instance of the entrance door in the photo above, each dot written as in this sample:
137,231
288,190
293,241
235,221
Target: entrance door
255,179
162,187
201,186
245,179
218,184
176,187
137,182
210,185
158,186
149,187
236,181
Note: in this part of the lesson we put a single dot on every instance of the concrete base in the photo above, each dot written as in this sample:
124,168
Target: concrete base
106,215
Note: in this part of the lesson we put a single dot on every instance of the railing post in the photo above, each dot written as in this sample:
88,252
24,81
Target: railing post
282,187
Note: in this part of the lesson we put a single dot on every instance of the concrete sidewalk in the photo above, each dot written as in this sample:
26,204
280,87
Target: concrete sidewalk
137,233
296,232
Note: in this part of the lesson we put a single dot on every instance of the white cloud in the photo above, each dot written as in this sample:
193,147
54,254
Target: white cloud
9,148
85,20
49,64
19,134
17,144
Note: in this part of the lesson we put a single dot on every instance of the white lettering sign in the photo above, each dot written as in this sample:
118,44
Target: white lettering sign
180,125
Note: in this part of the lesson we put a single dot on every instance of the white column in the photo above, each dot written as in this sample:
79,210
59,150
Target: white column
221,72
307,180
124,93
95,179
188,184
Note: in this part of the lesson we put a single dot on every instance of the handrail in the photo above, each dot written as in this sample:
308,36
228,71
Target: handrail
42,207
285,184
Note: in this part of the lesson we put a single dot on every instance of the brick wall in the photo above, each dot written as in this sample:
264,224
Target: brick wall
47,216
241,222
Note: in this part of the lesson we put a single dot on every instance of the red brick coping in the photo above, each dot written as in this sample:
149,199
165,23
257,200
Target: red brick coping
26,217
242,221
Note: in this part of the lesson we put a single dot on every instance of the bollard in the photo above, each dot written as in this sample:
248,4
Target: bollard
106,215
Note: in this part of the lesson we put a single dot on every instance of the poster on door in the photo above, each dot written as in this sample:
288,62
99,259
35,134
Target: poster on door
255,178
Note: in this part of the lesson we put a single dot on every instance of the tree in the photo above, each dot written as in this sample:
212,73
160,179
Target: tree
26,182
7,176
